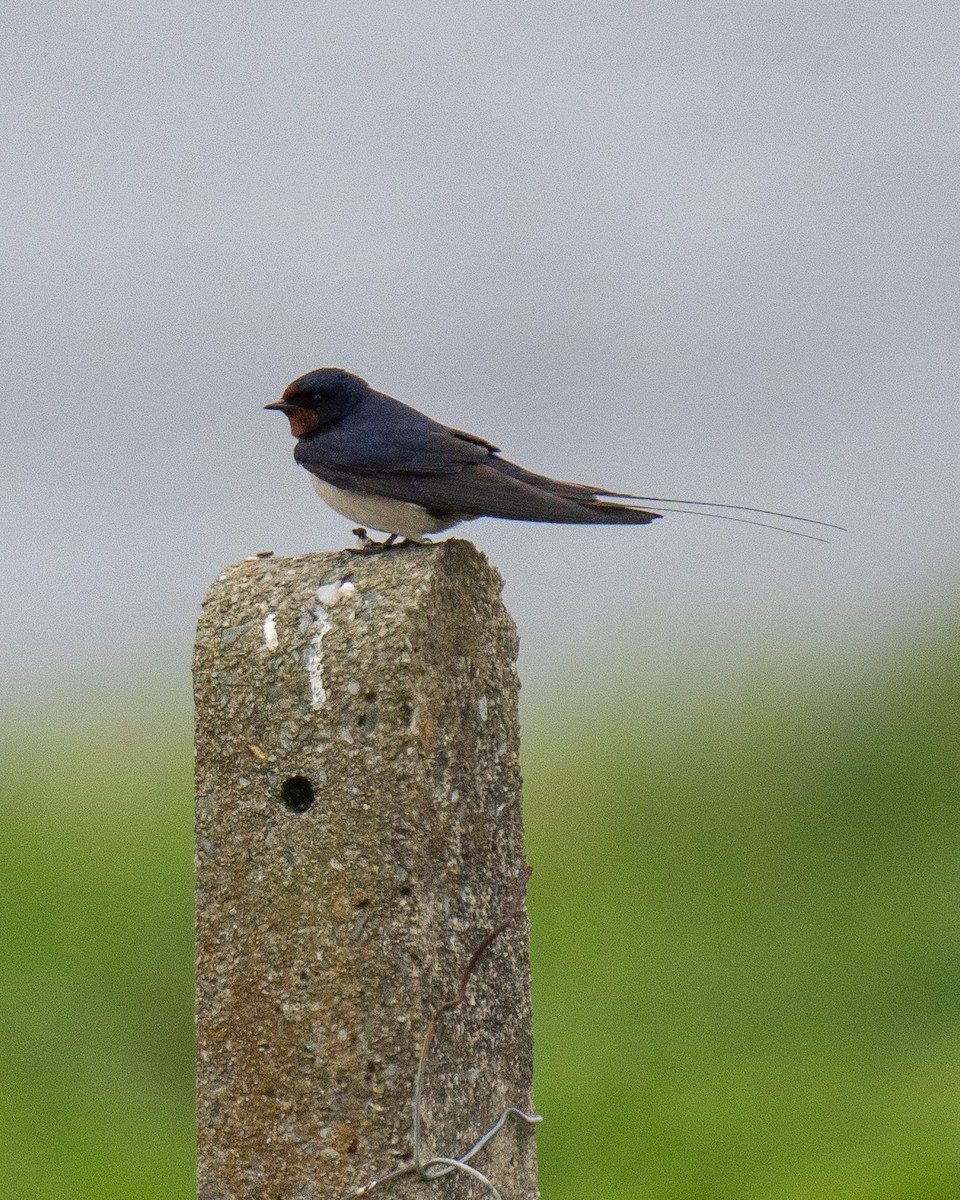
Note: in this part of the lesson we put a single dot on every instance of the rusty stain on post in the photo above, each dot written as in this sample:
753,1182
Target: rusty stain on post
358,831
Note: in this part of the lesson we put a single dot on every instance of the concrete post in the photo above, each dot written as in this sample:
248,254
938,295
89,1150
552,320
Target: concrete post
359,831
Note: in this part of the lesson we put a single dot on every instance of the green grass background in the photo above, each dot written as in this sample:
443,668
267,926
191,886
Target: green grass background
746,942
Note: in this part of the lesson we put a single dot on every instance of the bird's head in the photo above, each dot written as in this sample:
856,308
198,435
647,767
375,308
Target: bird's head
318,398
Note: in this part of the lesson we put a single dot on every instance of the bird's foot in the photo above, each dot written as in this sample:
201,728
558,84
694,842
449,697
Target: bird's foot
369,546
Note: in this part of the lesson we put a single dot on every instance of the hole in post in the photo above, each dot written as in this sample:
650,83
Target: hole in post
296,793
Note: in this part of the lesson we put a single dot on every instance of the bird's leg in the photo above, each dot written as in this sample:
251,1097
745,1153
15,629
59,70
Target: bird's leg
368,545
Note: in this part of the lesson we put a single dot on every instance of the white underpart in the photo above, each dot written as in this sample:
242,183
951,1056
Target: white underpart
381,513
329,595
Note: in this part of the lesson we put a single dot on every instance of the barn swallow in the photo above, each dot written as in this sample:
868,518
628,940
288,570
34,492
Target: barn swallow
385,465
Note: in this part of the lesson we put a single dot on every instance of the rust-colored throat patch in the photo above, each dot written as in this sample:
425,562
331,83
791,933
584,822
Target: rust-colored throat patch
302,420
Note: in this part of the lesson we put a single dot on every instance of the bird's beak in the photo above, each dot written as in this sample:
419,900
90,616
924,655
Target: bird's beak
279,405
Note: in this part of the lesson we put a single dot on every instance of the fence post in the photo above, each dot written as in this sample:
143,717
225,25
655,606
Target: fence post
359,831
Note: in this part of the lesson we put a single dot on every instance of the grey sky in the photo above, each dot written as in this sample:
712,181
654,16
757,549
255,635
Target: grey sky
686,249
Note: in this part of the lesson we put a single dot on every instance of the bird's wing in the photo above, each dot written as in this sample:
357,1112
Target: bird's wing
463,436
432,451
490,487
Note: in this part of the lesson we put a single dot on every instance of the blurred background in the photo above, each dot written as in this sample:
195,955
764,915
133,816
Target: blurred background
682,249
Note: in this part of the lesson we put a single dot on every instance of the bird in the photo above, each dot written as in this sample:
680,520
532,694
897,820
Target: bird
393,469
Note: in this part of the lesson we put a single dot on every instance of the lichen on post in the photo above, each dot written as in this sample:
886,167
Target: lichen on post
359,830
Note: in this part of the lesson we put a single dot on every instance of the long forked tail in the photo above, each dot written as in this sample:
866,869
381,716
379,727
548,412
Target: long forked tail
598,505
764,512
693,508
